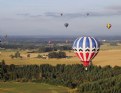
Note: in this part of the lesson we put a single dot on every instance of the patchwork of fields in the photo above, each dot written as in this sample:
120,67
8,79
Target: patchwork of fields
108,55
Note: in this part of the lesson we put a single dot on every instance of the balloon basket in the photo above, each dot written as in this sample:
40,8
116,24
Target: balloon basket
86,68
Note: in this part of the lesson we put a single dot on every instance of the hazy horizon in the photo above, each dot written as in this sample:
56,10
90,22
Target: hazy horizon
56,37
38,17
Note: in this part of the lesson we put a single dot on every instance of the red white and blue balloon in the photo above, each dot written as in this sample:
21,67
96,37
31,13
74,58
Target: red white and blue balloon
86,48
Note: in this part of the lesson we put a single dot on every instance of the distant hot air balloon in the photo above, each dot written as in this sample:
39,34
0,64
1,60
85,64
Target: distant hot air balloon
67,41
49,42
87,14
61,14
86,48
109,26
3,39
66,25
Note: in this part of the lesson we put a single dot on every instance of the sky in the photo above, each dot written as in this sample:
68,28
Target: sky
42,17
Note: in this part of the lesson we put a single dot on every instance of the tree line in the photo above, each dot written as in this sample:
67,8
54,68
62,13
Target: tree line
59,54
39,48
96,79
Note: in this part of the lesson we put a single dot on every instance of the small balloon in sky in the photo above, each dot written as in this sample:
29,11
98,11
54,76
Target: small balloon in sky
61,14
67,41
108,25
87,14
66,25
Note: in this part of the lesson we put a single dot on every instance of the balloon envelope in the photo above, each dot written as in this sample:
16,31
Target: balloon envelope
109,26
61,14
87,14
86,48
66,25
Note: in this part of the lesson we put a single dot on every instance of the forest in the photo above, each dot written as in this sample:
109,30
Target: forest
96,79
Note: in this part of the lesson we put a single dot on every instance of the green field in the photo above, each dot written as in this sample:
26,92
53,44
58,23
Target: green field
15,87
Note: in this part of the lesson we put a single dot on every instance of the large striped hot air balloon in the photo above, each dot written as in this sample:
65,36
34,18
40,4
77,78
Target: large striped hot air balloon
86,48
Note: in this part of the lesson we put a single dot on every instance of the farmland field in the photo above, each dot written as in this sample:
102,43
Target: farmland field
16,87
108,55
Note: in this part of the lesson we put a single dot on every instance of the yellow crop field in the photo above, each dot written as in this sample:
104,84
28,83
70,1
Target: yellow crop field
108,55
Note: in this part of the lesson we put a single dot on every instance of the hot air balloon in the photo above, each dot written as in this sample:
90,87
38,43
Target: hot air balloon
4,39
67,41
61,14
87,14
109,26
66,25
49,42
86,48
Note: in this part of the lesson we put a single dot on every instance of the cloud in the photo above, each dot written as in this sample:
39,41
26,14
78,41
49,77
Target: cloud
23,14
52,14
116,8
107,11
28,15
35,15
83,14
7,19
65,15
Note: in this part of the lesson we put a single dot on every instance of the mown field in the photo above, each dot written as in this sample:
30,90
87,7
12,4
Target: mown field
16,87
108,55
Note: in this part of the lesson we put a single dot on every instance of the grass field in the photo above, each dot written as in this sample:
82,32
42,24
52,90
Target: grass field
15,87
108,55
